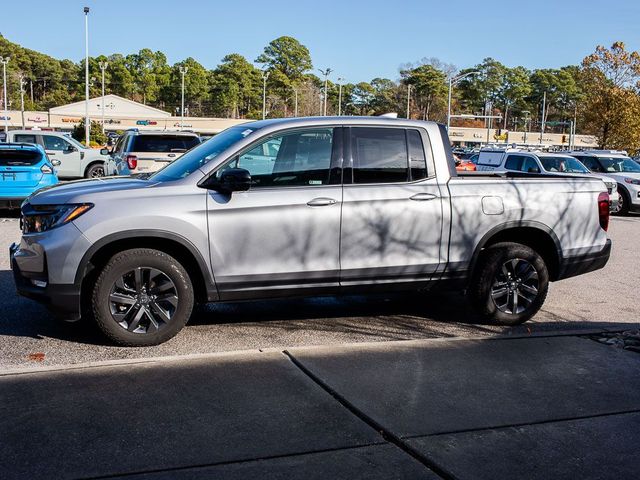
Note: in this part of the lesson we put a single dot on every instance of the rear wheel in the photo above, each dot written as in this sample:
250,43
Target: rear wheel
510,284
95,171
142,297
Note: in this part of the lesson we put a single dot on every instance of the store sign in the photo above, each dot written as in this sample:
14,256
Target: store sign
456,134
5,118
183,125
146,122
70,120
111,121
37,119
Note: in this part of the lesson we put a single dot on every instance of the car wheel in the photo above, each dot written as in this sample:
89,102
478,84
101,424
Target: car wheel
623,202
95,171
142,297
510,284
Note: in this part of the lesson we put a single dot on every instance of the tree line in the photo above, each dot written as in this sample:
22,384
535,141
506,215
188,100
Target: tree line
601,94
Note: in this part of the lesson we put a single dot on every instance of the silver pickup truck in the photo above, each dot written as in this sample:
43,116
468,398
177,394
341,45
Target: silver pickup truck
332,205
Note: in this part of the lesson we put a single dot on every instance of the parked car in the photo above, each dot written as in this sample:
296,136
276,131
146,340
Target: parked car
464,165
344,204
545,163
76,160
24,169
622,169
148,151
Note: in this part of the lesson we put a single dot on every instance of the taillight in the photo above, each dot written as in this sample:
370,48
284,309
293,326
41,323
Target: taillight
132,162
603,210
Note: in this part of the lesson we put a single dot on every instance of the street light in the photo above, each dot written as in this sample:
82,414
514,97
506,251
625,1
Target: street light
452,81
340,80
295,107
265,75
409,101
4,61
21,80
103,67
326,73
87,123
183,71
526,119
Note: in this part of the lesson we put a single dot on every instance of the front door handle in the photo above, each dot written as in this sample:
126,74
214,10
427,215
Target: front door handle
321,202
423,197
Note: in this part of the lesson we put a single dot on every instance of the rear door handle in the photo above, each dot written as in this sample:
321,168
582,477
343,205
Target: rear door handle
321,202
423,197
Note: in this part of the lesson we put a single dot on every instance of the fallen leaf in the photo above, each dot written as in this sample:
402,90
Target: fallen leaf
36,357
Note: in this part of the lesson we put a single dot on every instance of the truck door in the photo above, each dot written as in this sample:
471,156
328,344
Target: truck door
58,148
392,210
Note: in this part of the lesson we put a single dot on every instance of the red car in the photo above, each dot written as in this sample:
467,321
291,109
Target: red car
464,165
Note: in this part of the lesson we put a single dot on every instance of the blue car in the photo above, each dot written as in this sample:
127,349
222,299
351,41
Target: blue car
24,168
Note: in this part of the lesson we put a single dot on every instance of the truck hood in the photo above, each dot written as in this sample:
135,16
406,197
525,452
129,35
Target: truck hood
66,192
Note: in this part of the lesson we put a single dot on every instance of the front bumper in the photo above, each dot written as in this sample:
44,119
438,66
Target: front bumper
63,300
572,266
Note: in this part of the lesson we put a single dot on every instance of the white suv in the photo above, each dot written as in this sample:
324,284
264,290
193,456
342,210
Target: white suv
76,160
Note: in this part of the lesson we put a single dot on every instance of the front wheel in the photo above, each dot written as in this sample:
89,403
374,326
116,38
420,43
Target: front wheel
142,297
510,284
95,171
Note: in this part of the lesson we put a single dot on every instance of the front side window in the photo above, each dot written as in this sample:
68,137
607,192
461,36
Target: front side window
530,165
619,164
562,165
297,159
54,143
379,155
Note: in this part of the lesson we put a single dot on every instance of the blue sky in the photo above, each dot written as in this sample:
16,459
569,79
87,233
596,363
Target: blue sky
358,39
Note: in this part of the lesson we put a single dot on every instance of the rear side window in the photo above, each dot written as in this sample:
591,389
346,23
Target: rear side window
26,138
591,163
10,158
379,155
163,143
417,158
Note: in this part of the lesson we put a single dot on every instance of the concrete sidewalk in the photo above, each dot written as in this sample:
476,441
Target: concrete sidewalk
548,407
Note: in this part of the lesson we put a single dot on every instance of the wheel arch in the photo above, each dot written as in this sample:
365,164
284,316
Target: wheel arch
173,244
535,235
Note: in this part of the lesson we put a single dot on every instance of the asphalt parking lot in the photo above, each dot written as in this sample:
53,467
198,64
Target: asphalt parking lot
606,299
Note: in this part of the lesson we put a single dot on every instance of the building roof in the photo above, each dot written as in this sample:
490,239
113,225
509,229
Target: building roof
114,106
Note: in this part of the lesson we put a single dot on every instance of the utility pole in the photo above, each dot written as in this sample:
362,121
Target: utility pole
408,100
103,67
4,61
31,87
183,70
87,122
544,106
340,80
326,73
265,75
21,78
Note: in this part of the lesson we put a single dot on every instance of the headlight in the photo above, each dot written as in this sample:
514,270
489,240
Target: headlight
40,218
634,181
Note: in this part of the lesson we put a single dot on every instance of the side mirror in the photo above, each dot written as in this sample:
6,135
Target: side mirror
56,163
104,151
231,180
533,170
70,148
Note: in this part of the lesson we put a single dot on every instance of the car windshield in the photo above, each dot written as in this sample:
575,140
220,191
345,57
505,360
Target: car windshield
202,154
563,164
619,164
74,142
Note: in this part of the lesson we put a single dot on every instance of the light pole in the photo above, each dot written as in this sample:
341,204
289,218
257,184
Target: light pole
183,71
526,119
265,75
295,105
452,81
340,80
103,67
409,101
544,107
326,73
21,78
87,123
4,61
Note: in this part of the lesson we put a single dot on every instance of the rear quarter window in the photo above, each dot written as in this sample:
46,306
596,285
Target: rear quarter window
10,158
163,143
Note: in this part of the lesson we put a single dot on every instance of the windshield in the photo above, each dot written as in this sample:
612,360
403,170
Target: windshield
202,154
74,141
563,164
620,164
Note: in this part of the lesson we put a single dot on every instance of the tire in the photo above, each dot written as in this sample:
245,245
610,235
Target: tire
624,200
153,298
95,171
503,268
